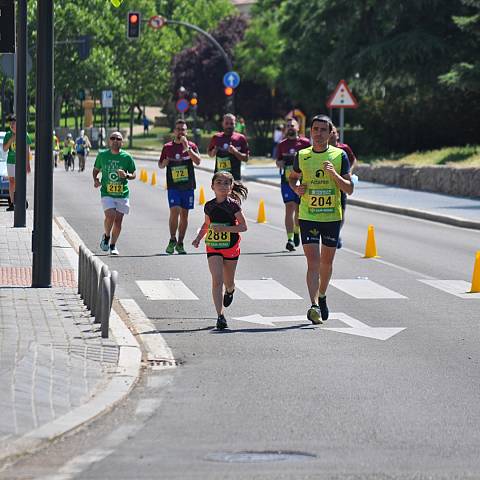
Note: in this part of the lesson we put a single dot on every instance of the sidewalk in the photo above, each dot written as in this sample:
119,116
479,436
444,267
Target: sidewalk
53,360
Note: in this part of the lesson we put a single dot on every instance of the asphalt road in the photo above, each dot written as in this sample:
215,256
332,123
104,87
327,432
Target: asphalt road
362,407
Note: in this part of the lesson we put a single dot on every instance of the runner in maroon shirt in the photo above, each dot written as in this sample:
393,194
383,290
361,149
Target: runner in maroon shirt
286,151
178,156
229,148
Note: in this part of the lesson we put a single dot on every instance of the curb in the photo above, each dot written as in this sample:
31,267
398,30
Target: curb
124,378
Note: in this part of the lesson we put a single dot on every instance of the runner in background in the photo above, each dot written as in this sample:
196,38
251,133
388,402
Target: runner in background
224,220
56,148
352,159
178,156
229,148
82,147
286,152
117,168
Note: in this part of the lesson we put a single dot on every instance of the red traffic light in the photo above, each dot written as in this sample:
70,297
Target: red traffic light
228,91
133,25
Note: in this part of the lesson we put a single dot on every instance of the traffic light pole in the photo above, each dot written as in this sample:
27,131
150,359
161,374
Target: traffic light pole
43,211
20,214
228,62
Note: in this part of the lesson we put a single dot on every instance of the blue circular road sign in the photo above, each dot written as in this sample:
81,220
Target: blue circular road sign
231,79
182,105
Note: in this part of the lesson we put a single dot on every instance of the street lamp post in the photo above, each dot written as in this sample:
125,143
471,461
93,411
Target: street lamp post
20,215
43,210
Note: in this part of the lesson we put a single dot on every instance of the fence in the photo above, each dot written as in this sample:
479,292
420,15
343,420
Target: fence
96,286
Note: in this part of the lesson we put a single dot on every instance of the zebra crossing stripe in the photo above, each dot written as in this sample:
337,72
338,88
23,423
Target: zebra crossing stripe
459,288
364,288
166,290
265,289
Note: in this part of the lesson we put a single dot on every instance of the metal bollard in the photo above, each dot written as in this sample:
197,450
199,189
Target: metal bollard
104,272
95,279
105,306
80,269
113,285
88,289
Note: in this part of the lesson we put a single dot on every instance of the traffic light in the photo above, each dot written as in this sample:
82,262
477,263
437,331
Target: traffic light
194,101
228,91
84,46
133,26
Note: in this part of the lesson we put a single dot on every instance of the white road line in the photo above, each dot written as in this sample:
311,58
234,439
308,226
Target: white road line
166,290
267,289
157,348
459,288
147,406
364,289
157,381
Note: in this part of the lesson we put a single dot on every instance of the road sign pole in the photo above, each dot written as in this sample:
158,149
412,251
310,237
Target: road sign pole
42,234
342,123
20,215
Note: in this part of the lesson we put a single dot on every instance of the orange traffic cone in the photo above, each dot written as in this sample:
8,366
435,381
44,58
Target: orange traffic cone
201,196
476,275
154,179
371,246
261,217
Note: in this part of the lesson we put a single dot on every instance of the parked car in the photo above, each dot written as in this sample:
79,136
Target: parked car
3,170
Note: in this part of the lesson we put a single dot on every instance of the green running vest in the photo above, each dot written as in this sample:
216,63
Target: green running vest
321,201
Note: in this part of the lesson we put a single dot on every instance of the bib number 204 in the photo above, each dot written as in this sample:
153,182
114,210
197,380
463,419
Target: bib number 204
321,201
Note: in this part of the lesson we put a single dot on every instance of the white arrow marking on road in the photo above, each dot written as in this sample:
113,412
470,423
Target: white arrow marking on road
356,327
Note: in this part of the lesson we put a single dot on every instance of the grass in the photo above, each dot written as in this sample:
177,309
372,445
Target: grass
468,156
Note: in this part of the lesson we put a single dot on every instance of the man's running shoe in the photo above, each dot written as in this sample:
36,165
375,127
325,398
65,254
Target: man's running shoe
171,247
228,298
313,314
290,246
113,250
180,250
322,302
104,243
221,323
10,208
296,239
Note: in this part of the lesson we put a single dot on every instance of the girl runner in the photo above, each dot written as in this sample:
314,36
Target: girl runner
224,221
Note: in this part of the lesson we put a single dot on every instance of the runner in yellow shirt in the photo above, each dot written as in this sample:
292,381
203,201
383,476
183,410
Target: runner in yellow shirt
320,173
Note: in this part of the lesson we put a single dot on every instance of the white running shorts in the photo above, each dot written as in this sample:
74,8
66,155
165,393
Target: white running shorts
11,169
121,205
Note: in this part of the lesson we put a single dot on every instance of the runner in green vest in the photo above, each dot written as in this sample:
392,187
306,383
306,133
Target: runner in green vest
323,172
117,168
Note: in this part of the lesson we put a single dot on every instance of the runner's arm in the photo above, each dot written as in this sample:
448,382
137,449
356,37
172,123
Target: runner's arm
241,227
194,156
96,181
202,232
8,143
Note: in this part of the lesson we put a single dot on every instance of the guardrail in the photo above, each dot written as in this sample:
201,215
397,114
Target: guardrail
96,286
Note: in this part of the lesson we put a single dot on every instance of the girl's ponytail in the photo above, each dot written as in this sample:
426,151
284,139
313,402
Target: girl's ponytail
239,191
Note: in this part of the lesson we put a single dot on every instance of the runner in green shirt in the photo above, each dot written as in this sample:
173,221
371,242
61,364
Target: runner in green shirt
117,167
9,144
324,172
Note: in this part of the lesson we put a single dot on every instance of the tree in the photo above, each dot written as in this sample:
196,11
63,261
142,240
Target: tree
465,72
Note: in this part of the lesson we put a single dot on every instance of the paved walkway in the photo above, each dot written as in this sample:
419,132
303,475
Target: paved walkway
52,358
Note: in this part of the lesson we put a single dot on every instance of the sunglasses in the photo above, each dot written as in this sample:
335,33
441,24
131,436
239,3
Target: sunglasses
116,138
